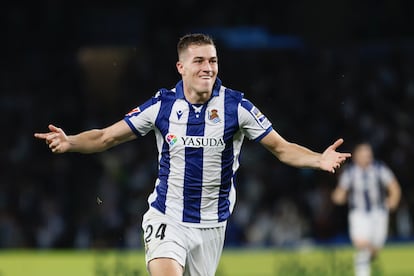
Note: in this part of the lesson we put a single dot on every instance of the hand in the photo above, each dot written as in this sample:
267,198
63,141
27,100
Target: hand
331,160
56,139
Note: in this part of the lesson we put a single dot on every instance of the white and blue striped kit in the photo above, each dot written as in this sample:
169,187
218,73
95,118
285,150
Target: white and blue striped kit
366,187
198,150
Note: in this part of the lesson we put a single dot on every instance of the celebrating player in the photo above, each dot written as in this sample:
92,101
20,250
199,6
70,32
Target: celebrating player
199,127
372,191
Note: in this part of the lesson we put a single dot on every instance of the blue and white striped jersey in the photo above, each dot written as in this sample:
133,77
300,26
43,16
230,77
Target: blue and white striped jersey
366,187
198,150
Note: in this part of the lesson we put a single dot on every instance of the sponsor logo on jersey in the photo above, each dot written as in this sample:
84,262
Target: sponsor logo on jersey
134,112
195,141
213,116
171,139
200,141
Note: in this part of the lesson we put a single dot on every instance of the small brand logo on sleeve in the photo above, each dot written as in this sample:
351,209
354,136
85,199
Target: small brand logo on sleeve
134,112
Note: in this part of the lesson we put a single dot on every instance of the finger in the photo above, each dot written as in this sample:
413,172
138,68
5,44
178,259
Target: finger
341,159
55,129
344,156
54,144
337,143
51,136
54,150
41,135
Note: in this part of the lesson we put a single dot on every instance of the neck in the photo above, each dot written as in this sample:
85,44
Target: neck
197,97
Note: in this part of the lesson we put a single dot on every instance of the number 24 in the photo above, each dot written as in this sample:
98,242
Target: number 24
159,234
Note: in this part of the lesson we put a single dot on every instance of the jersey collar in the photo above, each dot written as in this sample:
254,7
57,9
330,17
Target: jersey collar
179,91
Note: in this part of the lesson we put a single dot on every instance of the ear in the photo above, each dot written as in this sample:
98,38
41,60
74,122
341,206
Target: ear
180,67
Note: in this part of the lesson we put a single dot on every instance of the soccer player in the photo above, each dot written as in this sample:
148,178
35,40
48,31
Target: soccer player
371,190
199,127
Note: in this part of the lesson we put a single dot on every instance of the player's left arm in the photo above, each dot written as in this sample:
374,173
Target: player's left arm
300,156
339,195
394,194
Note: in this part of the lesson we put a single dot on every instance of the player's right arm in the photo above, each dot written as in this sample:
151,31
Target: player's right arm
339,195
90,141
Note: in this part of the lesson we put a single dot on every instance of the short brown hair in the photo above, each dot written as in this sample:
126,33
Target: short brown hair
193,39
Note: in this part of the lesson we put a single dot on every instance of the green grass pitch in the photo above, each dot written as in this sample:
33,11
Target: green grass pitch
395,260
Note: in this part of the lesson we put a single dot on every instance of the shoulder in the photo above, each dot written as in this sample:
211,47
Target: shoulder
348,169
233,94
240,98
382,168
379,165
163,94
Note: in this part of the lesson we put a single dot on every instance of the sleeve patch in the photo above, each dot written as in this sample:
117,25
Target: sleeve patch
133,112
260,117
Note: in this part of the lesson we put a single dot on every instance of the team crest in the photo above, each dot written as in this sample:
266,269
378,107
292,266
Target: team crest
214,116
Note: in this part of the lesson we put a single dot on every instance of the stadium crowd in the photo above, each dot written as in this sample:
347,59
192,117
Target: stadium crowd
312,95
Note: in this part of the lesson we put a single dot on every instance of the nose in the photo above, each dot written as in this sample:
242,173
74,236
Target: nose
206,66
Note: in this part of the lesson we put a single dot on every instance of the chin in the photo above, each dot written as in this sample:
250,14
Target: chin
205,88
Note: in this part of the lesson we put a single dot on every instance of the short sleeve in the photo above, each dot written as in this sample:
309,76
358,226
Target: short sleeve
142,118
386,175
253,123
345,178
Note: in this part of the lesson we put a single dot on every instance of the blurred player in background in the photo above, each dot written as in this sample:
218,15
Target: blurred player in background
371,190
199,127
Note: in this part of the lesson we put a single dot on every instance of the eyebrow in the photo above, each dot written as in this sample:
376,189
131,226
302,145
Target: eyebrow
201,57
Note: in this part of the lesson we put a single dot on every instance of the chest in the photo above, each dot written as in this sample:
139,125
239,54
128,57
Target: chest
210,120
362,180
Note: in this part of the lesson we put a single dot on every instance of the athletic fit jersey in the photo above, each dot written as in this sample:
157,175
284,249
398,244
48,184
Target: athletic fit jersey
199,148
366,187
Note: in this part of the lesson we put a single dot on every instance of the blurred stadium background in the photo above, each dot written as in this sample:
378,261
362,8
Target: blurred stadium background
318,69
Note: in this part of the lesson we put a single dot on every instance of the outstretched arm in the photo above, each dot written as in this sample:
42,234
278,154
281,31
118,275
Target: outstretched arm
299,156
89,141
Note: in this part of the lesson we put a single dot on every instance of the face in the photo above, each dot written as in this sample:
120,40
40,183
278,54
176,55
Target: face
198,66
363,155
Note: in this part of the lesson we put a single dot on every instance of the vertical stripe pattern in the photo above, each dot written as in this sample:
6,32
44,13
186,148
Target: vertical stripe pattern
228,156
193,174
366,186
164,161
198,150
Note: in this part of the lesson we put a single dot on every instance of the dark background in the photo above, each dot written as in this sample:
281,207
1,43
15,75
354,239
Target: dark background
319,70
